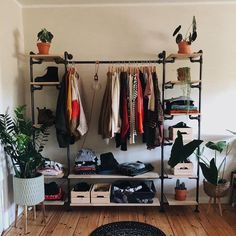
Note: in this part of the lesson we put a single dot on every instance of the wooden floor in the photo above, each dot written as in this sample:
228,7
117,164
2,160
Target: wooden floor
179,220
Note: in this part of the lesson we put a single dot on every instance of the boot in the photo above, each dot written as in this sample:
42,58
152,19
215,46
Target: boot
45,116
50,76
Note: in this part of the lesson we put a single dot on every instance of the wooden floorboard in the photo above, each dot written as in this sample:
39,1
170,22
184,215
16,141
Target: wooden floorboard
175,221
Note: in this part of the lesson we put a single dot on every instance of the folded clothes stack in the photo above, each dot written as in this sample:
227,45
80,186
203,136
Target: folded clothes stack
134,168
182,104
85,162
51,168
53,192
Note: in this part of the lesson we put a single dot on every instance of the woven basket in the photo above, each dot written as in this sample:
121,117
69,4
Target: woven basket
217,191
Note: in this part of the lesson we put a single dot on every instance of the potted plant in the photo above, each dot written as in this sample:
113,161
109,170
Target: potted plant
180,191
180,153
185,42
214,184
23,144
45,37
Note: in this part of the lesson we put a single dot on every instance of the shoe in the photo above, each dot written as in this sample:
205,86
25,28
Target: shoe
45,116
50,76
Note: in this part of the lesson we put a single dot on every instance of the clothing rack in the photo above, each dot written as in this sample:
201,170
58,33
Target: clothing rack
68,60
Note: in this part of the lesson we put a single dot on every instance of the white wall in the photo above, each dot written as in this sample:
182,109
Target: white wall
11,91
141,32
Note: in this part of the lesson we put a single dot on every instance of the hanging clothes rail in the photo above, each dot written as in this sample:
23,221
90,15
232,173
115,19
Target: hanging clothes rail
70,57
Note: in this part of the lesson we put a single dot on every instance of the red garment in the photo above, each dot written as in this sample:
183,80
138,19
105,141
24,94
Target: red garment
75,109
139,113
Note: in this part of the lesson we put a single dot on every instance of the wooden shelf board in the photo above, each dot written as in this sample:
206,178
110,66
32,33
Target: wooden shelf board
155,203
54,203
172,202
148,175
49,57
183,114
179,56
60,176
45,83
170,176
176,82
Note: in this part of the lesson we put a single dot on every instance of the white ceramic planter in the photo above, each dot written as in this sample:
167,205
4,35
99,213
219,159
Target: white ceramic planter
28,192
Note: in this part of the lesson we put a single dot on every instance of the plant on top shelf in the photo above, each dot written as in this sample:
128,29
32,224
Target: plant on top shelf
185,42
180,191
215,185
45,37
180,152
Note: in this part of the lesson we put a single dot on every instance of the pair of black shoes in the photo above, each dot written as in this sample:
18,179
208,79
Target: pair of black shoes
50,76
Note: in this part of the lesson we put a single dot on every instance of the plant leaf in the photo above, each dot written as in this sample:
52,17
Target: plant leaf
179,38
232,132
180,152
177,30
219,146
194,24
210,173
194,36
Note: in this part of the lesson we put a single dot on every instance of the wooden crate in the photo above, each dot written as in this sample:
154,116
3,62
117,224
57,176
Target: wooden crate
81,196
187,133
102,196
183,169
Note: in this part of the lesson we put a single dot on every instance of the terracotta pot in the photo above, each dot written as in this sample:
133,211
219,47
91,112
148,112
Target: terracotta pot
43,48
180,195
219,190
184,48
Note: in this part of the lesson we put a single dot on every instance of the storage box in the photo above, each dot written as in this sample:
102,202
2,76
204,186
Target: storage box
101,193
81,197
187,133
183,169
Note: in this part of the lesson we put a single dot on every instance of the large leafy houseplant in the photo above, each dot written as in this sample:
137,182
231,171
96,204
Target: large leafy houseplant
22,142
180,152
212,172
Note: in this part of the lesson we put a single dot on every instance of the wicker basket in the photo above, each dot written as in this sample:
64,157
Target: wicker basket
217,191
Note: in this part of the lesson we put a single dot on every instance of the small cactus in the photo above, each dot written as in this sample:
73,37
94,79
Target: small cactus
180,186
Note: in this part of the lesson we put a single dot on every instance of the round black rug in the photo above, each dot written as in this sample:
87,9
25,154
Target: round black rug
127,228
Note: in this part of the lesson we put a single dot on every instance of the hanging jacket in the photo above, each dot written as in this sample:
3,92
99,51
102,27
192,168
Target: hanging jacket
104,124
139,107
61,122
155,119
115,98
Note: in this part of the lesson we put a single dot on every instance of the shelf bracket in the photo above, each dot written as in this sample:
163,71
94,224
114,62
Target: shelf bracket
196,86
169,85
169,117
38,87
191,117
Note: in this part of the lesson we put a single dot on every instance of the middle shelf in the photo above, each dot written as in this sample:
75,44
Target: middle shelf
148,175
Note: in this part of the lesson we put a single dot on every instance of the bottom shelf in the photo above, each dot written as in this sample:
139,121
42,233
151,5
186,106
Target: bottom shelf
172,202
155,203
54,203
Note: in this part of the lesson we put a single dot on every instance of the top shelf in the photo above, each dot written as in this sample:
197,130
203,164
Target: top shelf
179,56
48,58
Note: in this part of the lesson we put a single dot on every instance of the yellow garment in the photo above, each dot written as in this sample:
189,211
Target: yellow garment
69,96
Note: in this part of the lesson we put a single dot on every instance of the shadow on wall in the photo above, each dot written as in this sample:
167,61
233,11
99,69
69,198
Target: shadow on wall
6,188
20,63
